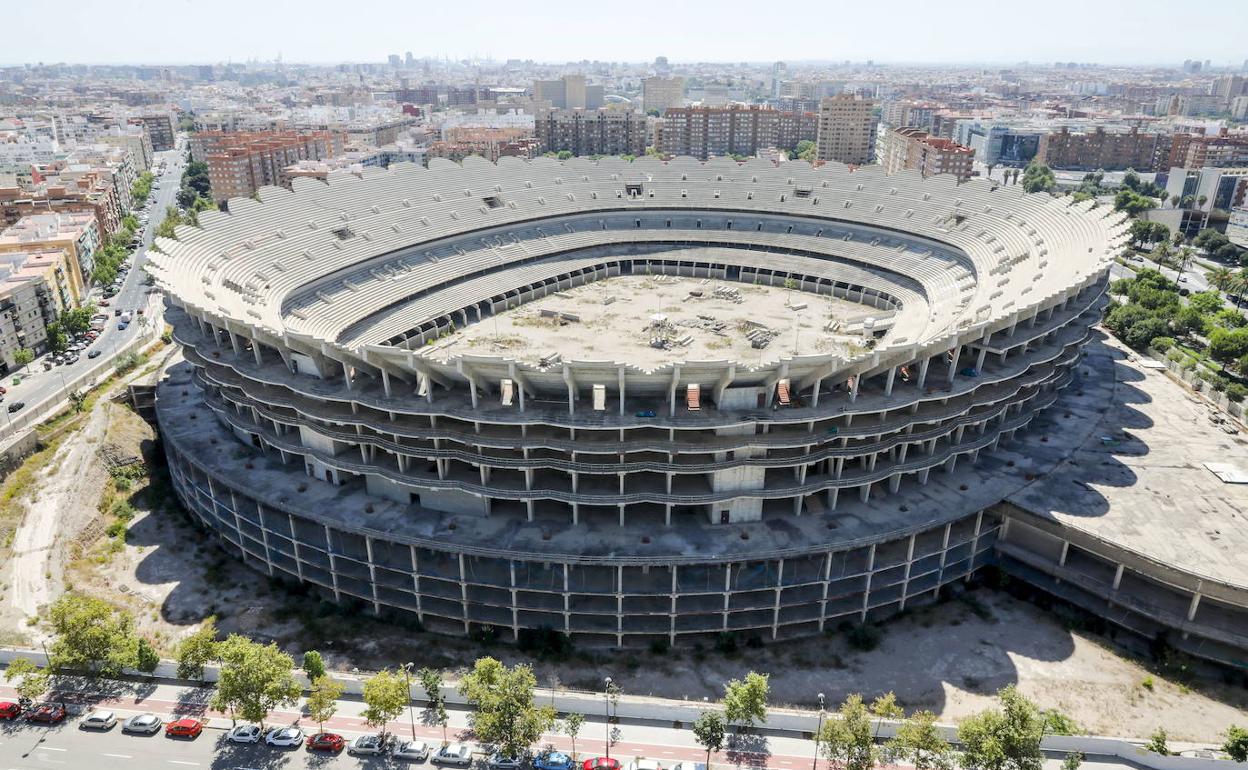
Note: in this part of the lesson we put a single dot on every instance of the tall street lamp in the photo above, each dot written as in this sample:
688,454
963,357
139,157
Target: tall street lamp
815,764
407,677
606,692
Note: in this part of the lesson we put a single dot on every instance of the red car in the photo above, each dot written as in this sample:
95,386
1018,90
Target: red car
326,742
10,710
103,303
600,763
184,728
47,713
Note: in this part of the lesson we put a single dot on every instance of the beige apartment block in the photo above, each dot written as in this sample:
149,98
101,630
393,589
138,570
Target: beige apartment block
846,129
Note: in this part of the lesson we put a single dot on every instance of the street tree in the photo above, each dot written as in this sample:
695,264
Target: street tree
146,658
1073,760
23,356
92,636
571,727
919,743
323,700
28,679
745,701
385,697
1005,738
885,707
431,683
313,665
709,731
505,714
1158,743
847,739
197,650
254,679
1236,745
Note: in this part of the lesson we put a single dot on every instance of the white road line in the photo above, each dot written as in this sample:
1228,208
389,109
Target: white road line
180,762
119,756
52,748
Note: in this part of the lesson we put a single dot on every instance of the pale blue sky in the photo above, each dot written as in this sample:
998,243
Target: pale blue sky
196,31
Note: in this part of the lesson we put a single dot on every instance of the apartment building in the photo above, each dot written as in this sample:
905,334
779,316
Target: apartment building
704,132
458,143
569,93
34,289
915,149
162,129
846,132
241,163
74,233
591,132
1102,149
662,94
1222,150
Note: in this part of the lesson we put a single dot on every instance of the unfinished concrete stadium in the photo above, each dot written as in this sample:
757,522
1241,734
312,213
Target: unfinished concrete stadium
629,401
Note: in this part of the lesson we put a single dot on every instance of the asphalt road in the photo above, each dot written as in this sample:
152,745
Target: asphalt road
37,384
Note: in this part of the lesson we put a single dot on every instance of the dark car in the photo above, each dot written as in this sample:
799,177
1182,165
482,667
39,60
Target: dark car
93,354
46,713
16,406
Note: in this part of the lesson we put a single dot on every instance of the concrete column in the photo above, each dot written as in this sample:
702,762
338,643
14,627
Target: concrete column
621,385
866,593
888,382
979,360
927,360
853,393
864,492
833,494
255,349
775,615
953,364
1191,608
1118,576
894,483
385,379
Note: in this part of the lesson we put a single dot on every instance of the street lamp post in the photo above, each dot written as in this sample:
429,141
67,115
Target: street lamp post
606,692
407,677
815,764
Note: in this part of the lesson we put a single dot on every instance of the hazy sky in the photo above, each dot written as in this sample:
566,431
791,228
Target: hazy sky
196,31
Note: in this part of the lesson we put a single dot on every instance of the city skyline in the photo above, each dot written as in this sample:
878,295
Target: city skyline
137,32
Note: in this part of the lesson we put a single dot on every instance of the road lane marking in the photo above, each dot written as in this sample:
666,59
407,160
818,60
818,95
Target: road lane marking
180,762
119,756
52,748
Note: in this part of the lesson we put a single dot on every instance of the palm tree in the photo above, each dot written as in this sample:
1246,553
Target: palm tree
1202,200
1221,278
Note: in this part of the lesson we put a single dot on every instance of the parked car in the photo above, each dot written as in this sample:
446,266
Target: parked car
98,720
689,766
44,713
184,728
368,745
142,724
601,763
284,736
3,390
552,760
103,303
244,734
326,742
641,763
122,326
498,761
16,406
10,710
412,751
454,754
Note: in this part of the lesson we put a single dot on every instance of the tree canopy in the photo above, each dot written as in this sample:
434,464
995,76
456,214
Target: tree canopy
255,679
1005,738
197,650
91,635
847,739
709,731
745,700
505,715
385,697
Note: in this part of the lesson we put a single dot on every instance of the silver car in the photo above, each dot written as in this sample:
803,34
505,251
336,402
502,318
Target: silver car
454,754
284,736
98,720
143,724
412,751
367,745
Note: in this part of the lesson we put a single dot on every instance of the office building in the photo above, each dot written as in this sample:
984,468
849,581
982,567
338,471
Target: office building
662,94
569,93
846,131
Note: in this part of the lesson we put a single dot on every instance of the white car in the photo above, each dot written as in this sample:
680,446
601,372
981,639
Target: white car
284,736
144,724
413,751
244,734
370,745
644,764
454,754
498,761
98,720
689,766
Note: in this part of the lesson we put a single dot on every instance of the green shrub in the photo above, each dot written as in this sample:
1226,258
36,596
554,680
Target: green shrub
1162,344
864,637
1236,392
